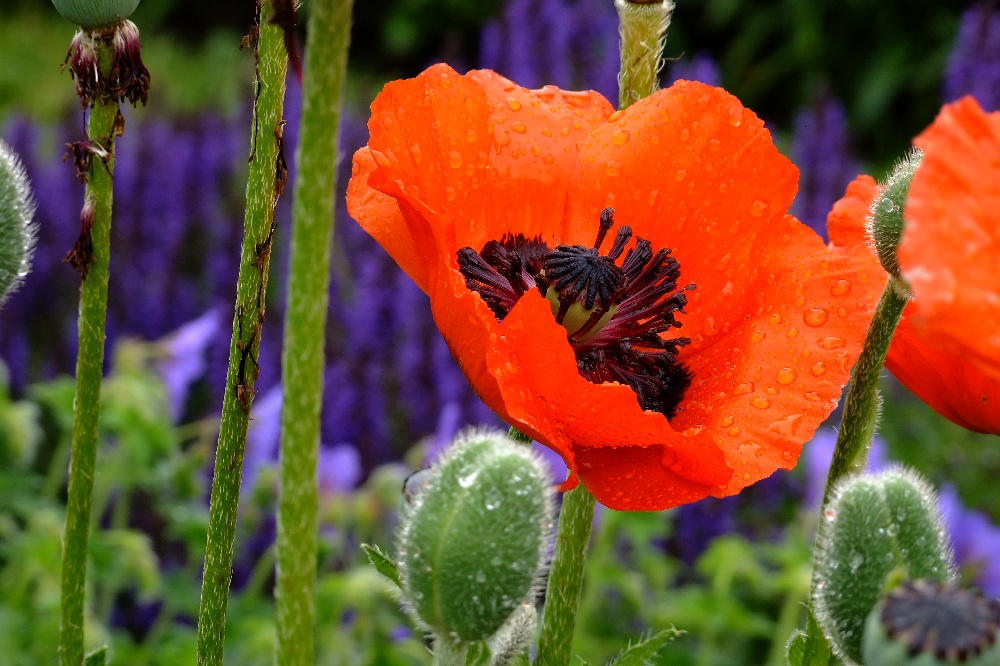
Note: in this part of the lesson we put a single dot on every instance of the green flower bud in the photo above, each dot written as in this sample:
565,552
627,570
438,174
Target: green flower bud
92,14
874,526
925,623
17,232
886,215
473,541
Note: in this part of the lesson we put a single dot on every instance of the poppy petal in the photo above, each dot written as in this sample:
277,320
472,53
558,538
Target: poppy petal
950,248
765,384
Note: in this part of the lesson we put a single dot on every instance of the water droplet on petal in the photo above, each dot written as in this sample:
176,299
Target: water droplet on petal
842,312
830,342
715,145
519,127
760,402
615,116
775,319
792,332
613,167
815,317
818,369
449,194
536,151
651,199
549,159
455,159
620,137
758,208
685,134
736,116
728,421
513,104
812,396
416,154
743,388
786,376
681,174
840,287
757,336
734,431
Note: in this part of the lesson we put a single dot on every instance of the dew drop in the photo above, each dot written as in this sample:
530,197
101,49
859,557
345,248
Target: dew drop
549,159
812,396
800,301
416,154
613,167
615,116
758,208
494,498
455,159
757,336
760,402
680,175
387,121
715,145
818,369
887,205
355,169
792,332
736,116
734,431
651,199
480,577
855,560
830,342
786,376
728,421
536,151
620,137
840,287
685,134
519,127
654,139
467,480
893,529
743,388
775,319
503,139
513,104
449,194
815,317
842,312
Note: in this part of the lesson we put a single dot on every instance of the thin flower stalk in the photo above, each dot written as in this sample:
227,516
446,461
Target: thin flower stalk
266,180
305,320
642,27
101,127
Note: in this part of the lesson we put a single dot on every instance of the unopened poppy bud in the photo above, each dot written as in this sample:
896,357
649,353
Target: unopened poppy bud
17,232
874,526
925,623
92,14
886,215
472,542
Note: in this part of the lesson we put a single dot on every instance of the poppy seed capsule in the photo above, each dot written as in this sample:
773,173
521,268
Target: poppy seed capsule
874,526
17,233
473,541
885,218
925,623
92,14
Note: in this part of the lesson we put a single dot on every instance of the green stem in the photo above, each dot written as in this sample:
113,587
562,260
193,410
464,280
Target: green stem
262,194
89,365
562,596
305,323
862,404
642,27
448,652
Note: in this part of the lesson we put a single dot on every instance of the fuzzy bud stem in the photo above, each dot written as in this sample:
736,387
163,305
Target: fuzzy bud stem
643,31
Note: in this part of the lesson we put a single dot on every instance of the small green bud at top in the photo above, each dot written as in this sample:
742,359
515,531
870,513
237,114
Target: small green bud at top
925,623
886,214
473,541
92,14
873,527
17,232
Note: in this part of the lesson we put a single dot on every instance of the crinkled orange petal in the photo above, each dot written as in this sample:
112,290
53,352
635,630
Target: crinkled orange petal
950,249
943,375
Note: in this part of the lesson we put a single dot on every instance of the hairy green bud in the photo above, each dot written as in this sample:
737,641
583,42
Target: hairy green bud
17,232
472,542
885,218
925,623
92,14
874,526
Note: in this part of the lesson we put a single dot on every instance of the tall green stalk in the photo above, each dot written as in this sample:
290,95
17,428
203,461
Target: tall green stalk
642,27
89,364
305,323
263,187
861,405
562,594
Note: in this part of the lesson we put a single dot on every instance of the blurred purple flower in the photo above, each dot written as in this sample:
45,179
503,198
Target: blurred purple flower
821,150
448,425
975,539
183,359
338,469
702,67
974,65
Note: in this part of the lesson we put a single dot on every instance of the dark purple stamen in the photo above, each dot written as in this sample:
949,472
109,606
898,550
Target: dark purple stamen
627,307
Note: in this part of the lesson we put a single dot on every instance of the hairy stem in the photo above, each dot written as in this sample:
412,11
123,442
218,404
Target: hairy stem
861,406
89,364
642,27
265,180
562,596
305,323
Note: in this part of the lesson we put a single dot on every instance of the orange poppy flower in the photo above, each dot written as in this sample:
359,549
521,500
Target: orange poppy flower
676,374
945,348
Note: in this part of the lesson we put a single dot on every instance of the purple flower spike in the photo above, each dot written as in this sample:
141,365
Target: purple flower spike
975,539
338,469
183,360
817,456
974,65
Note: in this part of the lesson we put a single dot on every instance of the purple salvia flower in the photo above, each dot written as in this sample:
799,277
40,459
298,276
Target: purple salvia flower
448,425
974,65
338,469
183,357
821,150
976,540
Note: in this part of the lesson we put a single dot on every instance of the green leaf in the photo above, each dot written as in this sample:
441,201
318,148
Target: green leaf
382,562
97,658
640,653
808,649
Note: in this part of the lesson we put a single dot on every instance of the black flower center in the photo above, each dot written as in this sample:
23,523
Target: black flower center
615,315
950,623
